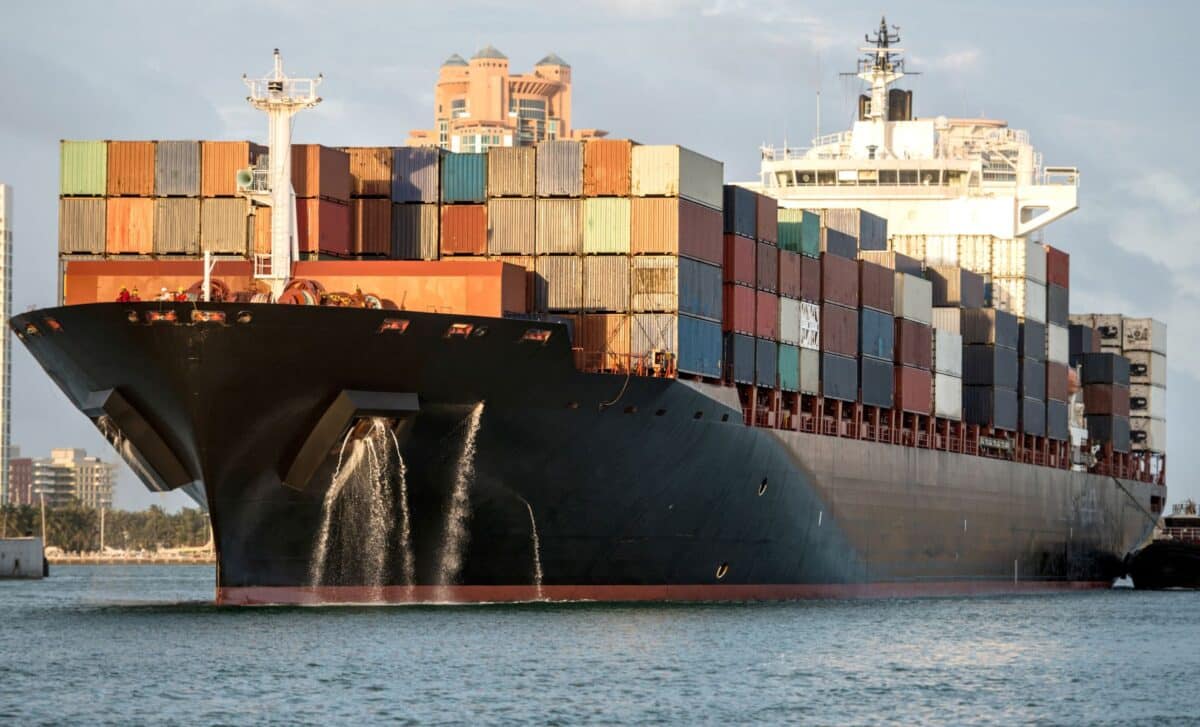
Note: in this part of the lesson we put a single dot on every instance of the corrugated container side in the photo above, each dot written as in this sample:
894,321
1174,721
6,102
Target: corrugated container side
789,321
789,273
1143,334
988,325
767,219
894,261
799,231
81,226
416,174
975,253
947,353
225,229
510,171
1147,435
673,171
700,178
738,302
766,315
913,298
177,226
322,227
464,178
739,357
1031,341
990,366
766,362
1108,399
559,168
914,344
1058,344
370,171
699,347
990,406
558,284
876,288
1147,367
1149,401
83,168
177,169
875,382
604,339
810,325
843,219
740,260
260,229
700,232
839,377
1057,381
321,171
789,367
606,167
371,227
131,168
1058,305
810,278
606,283
872,231
606,225
810,371
839,280
220,161
1058,267
838,243
1113,429
1032,382
839,329
948,319
700,289
415,231
650,332
954,286
1022,297
1019,258
767,267
810,234
655,283
129,225
559,226
1057,420
1032,418
741,211
947,396
876,336
464,229
510,226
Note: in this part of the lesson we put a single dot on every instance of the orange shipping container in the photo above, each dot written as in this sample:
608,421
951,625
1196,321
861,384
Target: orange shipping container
371,227
673,226
370,171
129,226
606,167
131,168
464,229
262,230
220,162
323,227
603,340
321,171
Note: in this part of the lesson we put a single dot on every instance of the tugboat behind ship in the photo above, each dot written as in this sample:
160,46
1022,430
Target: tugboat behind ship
1172,559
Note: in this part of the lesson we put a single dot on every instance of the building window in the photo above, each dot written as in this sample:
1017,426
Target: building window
443,126
552,129
458,108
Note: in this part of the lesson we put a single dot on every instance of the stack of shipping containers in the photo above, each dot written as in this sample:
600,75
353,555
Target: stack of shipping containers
1058,390
990,368
82,207
370,202
1019,287
129,211
914,336
839,316
416,216
606,327
224,215
321,180
800,235
463,195
877,334
1144,339
1105,378
740,277
177,198
954,289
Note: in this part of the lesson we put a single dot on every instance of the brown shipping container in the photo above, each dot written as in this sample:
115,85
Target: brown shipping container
789,273
510,226
603,340
1109,399
839,280
739,302
262,230
606,167
606,283
415,231
176,226
1057,381
810,278
131,168
370,171
877,287
839,329
766,315
81,226
220,161
767,265
464,229
510,171
740,265
322,227
225,225
371,227
914,344
559,225
321,171
1058,265
913,391
674,226
129,224
768,219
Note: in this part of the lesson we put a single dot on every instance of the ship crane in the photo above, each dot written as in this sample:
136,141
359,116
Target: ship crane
281,97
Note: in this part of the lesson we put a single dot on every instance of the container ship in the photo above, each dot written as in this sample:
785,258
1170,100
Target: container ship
590,369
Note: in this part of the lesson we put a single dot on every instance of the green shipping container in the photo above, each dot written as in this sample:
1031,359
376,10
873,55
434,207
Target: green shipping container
464,178
84,168
606,225
790,222
810,234
789,367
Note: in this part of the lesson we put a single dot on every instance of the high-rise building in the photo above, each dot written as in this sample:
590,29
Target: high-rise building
68,476
20,478
5,337
479,104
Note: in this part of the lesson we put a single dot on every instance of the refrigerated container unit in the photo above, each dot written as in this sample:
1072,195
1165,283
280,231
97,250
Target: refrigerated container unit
1148,401
1143,334
674,171
370,170
740,211
511,171
1147,367
416,174
952,286
510,226
415,231
83,168
668,226
606,168
177,169
1147,434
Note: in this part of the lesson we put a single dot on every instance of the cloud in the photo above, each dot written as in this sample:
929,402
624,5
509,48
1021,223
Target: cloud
959,60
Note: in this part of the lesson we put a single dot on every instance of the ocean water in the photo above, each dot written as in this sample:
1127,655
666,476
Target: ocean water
144,645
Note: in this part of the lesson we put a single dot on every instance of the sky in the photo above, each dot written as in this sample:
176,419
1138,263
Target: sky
1102,86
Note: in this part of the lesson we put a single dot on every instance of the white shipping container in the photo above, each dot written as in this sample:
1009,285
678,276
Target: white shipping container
914,298
941,250
947,396
1147,435
1149,401
1058,344
1147,367
653,332
654,283
948,319
975,253
673,171
810,370
810,326
911,245
1143,334
1082,319
1109,326
1023,297
947,352
789,321
1019,258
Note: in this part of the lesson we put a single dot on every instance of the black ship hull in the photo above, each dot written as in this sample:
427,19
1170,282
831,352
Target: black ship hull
1165,564
526,479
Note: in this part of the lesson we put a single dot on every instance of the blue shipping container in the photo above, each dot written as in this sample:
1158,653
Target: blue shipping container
876,335
416,174
839,377
699,347
741,211
464,178
872,231
876,379
739,357
699,289
766,363
840,244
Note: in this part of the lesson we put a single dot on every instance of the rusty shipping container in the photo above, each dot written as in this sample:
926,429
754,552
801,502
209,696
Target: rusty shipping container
176,226
738,302
416,174
604,341
220,161
415,230
810,278
606,167
370,171
914,390
766,315
559,168
130,168
558,284
839,329
654,283
320,172
839,280
767,219
606,283
740,264
129,225
914,344
464,229
510,171
371,227
559,225
177,169
81,228
606,225
510,226
674,226
876,287
767,267
323,227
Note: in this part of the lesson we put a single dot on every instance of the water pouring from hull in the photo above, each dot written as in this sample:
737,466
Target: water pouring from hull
454,539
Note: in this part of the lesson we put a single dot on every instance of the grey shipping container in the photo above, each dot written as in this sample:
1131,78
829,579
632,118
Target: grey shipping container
699,347
876,336
510,226
1033,417
1058,305
224,225
177,226
1113,429
1105,368
177,169
994,366
415,174
81,228
955,286
606,283
559,169
559,226
558,283
510,171
839,377
766,362
988,325
739,357
876,382
1031,342
1032,383
415,231
990,406
1057,420
810,371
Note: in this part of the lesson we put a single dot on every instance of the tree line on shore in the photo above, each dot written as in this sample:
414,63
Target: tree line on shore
77,529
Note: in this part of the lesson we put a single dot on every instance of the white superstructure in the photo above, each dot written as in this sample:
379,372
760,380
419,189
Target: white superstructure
928,176
6,238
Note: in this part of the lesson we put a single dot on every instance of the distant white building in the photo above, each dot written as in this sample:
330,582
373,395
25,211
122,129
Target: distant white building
70,475
6,238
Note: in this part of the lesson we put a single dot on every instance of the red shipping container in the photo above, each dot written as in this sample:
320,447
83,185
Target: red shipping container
740,260
320,171
839,280
810,278
464,229
839,329
700,231
789,273
767,266
738,303
768,219
913,391
1058,267
371,226
1106,399
914,344
876,287
766,315
323,227
1058,379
